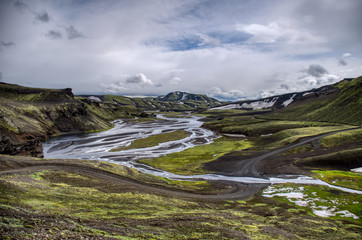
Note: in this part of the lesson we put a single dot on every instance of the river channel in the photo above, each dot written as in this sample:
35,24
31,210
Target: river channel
97,146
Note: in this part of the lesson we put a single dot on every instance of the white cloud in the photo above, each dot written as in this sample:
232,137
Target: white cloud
245,46
139,79
231,95
175,81
283,32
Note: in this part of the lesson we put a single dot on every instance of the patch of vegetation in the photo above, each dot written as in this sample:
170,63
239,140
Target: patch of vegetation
346,179
344,160
319,200
301,149
342,138
155,140
269,127
289,136
190,161
230,121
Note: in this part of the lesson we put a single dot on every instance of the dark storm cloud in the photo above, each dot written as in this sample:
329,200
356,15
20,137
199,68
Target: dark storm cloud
73,33
316,70
20,6
43,17
341,62
7,44
284,86
52,34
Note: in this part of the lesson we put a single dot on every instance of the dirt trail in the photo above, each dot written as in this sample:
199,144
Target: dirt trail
27,166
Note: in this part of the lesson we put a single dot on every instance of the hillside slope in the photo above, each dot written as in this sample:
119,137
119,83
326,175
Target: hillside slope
342,105
30,115
282,101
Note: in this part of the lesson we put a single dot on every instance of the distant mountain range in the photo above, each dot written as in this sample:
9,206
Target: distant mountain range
174,101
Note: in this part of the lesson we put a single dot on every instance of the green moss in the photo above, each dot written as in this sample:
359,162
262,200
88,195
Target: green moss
289,136
340,178
342,138
319,200
155,140
190,161
341,107
340,160
69,205
268,127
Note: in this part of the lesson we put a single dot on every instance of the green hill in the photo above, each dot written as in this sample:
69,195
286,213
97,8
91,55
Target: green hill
341,106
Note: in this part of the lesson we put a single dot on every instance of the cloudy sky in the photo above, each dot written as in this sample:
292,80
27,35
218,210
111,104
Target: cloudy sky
229,49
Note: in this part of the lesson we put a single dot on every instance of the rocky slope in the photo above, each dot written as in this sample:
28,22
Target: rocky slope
30,115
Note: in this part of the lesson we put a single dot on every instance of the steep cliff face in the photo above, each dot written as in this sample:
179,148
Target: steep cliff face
29,116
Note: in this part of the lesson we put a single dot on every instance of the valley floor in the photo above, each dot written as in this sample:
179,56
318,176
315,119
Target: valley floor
74,199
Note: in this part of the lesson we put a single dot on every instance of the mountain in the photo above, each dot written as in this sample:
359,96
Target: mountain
281,101
174,101
340,103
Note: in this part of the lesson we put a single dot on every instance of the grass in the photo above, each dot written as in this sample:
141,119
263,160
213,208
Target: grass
342,138
155,140
289,136
340,178
319,200
345,159
231,121
189,161
63,205
269,127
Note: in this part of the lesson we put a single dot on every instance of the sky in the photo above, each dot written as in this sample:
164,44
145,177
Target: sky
228,49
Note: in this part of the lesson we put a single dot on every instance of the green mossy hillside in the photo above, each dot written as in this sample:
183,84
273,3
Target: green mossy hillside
342,106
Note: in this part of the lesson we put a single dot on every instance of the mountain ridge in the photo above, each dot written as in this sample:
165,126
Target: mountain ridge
282,100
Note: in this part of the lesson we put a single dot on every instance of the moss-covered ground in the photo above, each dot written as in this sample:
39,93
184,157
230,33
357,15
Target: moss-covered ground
49,204
346,179
319,200
190,161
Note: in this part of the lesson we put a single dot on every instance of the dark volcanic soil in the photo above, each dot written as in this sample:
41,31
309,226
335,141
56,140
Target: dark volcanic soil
273,163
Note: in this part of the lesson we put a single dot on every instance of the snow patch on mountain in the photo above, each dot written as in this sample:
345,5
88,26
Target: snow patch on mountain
289,101
262,104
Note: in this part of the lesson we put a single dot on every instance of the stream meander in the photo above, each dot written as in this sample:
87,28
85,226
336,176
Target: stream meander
97,146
